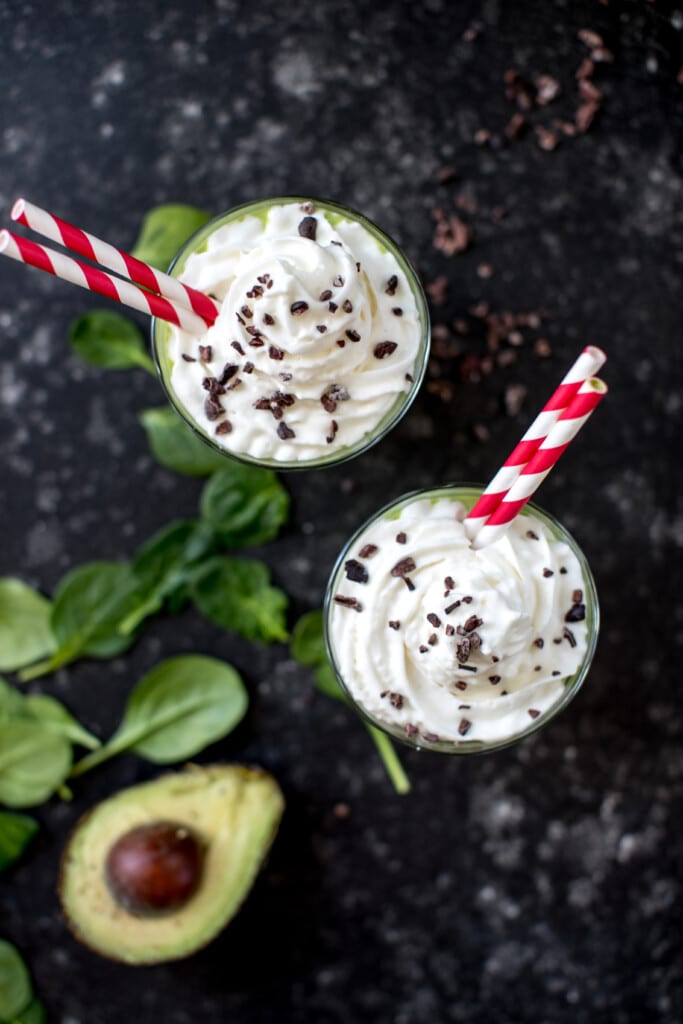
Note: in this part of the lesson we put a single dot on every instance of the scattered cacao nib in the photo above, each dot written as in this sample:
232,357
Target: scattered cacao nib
438,290
539,642
467,599
205,353
577,613
332,306
589,92
238,348
284,432
189,359
275,353
213,408
368,550
246,312
590,38
325,296
298,308
403,567
262,403
445,174
347,306
514,398
451,235
408,582
462,651
485,271
332,394
452,607
394,624
434,619
423,649
321,328
228,371
348,602
569,636
384,349
533,536
542,348
392,285
547,573
515,127
411,730
248,368
224,427
472,623
430,737
585,115
450,630
494,679
338,281
352,335
547,89
546,139
334,427
534,713
401,538
433,639
355,571
482,136
577,596
585,69
464,727
397,311
308,228
601,55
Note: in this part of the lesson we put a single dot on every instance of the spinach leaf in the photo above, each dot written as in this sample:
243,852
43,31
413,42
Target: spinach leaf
244,504
89,605
307,647
11,702
56,719
176,447
163,565
236,594
16,832
164,230
15,983
25,633
33,762
109,341
34,1013
181,706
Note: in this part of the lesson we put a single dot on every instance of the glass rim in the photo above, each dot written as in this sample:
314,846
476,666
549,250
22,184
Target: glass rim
572,684
403,400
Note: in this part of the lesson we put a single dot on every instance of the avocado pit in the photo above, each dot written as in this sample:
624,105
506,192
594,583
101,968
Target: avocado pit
154,869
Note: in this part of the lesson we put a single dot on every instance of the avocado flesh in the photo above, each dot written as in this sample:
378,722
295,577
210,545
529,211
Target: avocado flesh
234,810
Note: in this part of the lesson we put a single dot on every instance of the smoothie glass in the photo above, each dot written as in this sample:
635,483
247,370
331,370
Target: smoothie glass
335,213
467,494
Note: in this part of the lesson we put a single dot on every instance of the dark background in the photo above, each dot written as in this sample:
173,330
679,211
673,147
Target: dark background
539,884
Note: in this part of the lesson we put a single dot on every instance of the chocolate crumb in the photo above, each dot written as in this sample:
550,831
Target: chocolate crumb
434,620
347,306
334,427
285,377
533,536
537,668
495,659
408,582
534,713
467,668
320,328
392,285
355,571
256,343
452,607
423,649
539,642
401,538
462,651
430,737
248,368
213,408
411,730
460,684
577,613
268,319
547,573
246,312
332,306
338,281
332,394
467,600
228,371
450,630
464,727
307,207
275,353
205,353
472,623
494,679
325,296
397,311
403,567
432,639
449,584
189,359
348,602
308,228
577,596
238,348
394,624
556,672
568,635
284,432
225,427
368,550
298,308
384,349
352,335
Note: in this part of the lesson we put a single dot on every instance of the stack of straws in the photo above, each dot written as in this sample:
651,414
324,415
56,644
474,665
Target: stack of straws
534,456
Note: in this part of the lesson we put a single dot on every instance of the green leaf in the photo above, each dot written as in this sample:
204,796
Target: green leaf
176,447
11,702
164,564
327,682
16,832
55,717
15,982
33,762
89,605
176,710
308,648
34,1013
244,504
236,594
164,230
110,341
25,633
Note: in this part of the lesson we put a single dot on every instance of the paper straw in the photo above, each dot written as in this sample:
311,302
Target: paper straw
587,365
107,255
69,269
539,465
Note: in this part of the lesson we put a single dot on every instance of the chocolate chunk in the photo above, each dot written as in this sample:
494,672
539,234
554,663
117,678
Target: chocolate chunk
430,737
189,359
325,296
460,684
450,630
205,353
338,281
467,668
268,319
547,573
238,348
468,599
577,613
462,651
534,713
411,730
531,535
246,312
537,668
384,349
275,353
394,624
348,602
298,308
213,408
320,328
346,306
284,432
475,641
472,623
248,368
397,311
355,571
464,727
332,394
403,567
396,700
229,370
408,582
434,619
307,207
452,607
285,377
423,649
352,335
332,306
563,571
256,343
568,635
392,285
556,672
494,658
432,639
308,228
224,427
494,679
334,427
368,550
539,642
401,538
577,596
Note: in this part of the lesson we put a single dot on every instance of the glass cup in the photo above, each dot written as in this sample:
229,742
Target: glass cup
467,494
336,213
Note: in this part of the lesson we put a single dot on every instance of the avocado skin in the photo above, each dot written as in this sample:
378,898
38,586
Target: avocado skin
234,809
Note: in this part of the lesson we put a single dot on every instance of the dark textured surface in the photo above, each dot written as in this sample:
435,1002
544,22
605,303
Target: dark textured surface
538,884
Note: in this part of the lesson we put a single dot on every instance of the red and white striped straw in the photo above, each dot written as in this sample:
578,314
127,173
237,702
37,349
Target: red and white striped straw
107,255
587,365
85,276
539,465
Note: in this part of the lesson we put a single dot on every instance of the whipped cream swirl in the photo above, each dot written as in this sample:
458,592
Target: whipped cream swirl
448,643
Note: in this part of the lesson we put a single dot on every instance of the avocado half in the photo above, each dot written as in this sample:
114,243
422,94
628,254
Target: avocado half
235,812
